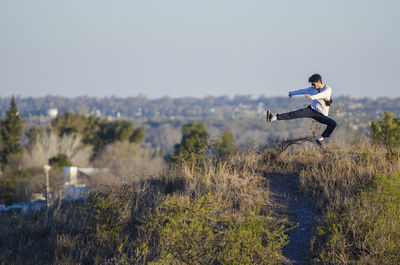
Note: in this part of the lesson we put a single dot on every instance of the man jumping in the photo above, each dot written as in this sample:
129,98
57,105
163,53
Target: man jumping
320,96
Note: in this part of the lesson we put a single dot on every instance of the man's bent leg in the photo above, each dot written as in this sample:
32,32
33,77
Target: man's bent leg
300,113
328,121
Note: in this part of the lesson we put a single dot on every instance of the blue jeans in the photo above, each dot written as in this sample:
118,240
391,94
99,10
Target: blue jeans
310,113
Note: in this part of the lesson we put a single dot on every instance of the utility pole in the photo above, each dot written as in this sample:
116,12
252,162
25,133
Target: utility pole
47,169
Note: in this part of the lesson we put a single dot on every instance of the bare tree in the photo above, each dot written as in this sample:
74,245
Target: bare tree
50,144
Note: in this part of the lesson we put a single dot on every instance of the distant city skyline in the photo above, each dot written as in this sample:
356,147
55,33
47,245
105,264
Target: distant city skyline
204,48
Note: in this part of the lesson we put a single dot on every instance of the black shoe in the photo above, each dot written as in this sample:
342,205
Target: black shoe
268,116
320,143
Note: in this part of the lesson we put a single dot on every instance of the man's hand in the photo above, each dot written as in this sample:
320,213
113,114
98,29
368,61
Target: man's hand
290,95
307,96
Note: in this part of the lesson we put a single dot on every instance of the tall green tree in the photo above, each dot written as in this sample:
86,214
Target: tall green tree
114,131
11,131
225,143
194,137
138,135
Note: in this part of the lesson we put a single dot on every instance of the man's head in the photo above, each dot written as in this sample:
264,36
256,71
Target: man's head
316,81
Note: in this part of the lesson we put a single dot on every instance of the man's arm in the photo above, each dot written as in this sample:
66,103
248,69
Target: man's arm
326,94
299,92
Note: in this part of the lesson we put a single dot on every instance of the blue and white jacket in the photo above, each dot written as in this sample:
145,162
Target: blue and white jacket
318,97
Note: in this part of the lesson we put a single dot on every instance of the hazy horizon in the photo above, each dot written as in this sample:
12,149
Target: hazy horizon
195,97
197,49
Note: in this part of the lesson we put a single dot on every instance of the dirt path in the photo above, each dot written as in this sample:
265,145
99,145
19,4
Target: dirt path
301,210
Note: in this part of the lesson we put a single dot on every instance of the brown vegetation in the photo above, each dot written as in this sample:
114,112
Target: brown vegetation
358,191
114,224
216,202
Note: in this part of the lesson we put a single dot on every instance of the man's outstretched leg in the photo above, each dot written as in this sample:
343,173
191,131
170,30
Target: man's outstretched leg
297,114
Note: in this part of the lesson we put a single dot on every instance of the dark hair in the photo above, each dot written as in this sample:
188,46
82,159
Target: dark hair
314,78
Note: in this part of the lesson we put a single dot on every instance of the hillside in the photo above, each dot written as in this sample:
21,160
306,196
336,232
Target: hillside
225,210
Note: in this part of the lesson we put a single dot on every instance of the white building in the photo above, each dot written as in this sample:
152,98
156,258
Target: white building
52,113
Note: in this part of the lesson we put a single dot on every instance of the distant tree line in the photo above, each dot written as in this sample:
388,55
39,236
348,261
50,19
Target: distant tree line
141,107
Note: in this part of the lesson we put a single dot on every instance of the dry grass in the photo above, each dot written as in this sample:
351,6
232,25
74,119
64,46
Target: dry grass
110,226
125,159
358,226
367,231
337,175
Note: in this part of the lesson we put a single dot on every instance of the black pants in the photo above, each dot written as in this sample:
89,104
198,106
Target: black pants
310,113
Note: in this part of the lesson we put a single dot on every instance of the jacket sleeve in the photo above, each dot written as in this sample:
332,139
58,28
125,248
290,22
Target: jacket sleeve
300,91
326,94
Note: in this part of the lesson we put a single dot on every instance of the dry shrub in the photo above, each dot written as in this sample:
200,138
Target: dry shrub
334,175
124,159
337,175
51,144
275,159
236,176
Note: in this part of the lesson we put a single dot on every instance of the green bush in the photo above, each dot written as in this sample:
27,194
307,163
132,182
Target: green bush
225,144
194,137
202,232
368,231
105,223
387,132
9,183
60,161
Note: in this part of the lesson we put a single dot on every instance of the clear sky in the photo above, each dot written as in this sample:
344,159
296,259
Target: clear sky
182,48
